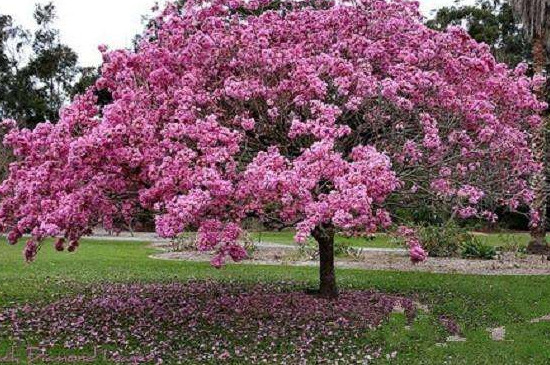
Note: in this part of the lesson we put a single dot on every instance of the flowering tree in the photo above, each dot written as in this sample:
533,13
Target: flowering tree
534,16
305,115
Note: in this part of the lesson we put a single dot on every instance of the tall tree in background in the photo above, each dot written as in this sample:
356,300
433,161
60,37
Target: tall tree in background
37,71
491,22
38,74
54,64
534,16
12,40
499,24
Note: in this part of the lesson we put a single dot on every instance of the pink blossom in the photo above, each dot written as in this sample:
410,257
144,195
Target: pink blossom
218,261
30,251
248,124
14,236
311,116
60,244
417,254
472,194
534,216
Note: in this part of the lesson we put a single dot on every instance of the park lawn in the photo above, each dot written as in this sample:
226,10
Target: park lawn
502,239
382,240
476,302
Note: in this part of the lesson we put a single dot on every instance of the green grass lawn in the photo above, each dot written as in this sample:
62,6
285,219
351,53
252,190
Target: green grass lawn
476,302
383,240
500,239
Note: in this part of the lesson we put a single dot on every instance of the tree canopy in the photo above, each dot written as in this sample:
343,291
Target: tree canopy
308,115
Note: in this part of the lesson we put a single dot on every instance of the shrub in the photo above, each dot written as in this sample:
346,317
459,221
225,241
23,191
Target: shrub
443,241
249,244
342,248
184,242
511,244
310,250
475,249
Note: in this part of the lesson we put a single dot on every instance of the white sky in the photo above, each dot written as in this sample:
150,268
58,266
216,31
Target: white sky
84,24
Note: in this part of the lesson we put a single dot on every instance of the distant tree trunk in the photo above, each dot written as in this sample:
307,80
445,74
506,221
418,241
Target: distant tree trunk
538,233
324,235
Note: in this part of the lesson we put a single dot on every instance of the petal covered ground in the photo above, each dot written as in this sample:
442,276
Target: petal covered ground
208,322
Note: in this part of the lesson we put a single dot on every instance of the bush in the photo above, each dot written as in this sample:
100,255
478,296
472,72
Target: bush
451,240
443,241
345,249
475,249
511,244
184,242
310,250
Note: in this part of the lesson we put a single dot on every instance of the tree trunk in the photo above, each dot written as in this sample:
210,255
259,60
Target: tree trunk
324,236
538,233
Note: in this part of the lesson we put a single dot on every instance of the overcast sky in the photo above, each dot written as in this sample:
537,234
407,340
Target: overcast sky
84,24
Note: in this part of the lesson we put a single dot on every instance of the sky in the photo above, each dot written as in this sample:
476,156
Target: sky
85,24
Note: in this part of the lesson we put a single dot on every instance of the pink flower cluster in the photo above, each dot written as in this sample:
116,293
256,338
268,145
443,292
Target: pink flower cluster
416,251
353,188
306,116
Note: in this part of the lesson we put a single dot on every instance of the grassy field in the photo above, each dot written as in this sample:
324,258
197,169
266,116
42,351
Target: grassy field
476,302
384,241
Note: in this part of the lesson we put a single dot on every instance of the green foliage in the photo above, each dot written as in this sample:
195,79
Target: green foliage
491,22
345,248
415,211
513,244
184,242
37,72
443,241
249,244
473,248
88,77
451,240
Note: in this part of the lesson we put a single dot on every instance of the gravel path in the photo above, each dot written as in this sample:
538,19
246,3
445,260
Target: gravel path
394,259
146,236
382,259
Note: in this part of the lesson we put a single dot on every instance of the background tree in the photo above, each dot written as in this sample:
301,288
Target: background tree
37,70
12,41
534,15
38,74
494,23
491,22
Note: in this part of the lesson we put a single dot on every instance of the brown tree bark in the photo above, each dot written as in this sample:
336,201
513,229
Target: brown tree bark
324,235
538,243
